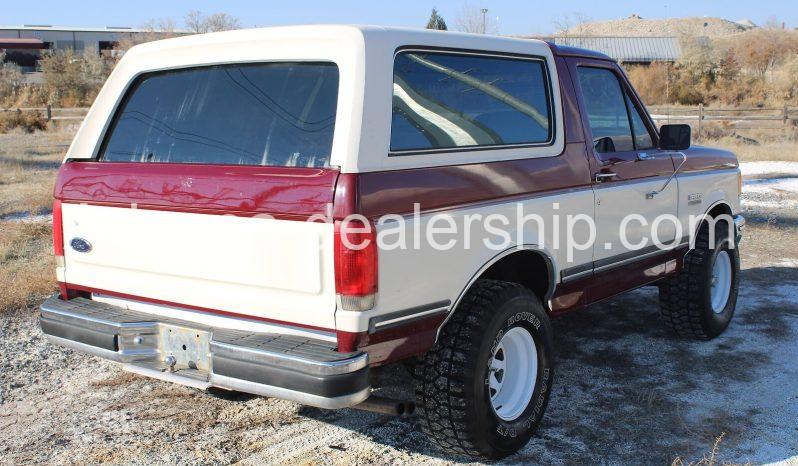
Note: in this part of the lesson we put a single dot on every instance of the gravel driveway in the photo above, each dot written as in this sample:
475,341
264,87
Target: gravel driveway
626,391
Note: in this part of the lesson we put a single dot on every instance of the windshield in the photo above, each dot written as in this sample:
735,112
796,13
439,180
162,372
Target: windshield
275,114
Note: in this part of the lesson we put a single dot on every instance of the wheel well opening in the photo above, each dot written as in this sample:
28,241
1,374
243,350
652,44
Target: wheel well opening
527,268
720,209
719,214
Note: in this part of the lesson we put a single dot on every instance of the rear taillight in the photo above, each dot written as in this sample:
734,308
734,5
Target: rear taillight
355,265
58,246
58,232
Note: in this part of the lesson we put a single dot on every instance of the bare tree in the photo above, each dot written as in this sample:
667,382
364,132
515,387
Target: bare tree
221,22
773,23
477,20
198,23
760,50
572,24
154,29
162,25
194,21
562,24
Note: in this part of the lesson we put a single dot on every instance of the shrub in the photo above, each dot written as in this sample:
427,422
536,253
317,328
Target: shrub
73,80
756,68
761,50
651,82
785,79
28,121
10,82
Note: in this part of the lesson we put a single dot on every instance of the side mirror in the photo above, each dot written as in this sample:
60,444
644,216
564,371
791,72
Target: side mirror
674,137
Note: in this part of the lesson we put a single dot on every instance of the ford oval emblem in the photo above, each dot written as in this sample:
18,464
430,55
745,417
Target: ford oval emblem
80,245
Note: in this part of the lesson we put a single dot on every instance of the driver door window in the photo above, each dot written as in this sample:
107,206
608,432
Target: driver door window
643,139
607,112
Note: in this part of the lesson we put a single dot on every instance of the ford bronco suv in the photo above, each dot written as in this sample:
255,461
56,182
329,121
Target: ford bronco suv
281,211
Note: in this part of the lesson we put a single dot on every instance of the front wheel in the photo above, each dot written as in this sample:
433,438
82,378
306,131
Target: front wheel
482,389
699,301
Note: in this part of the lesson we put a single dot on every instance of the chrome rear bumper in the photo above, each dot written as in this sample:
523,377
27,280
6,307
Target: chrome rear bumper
299,369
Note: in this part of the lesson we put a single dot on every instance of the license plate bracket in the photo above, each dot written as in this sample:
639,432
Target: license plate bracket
189,347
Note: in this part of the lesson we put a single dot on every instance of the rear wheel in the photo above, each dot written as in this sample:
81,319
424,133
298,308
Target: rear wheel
482,389
699,302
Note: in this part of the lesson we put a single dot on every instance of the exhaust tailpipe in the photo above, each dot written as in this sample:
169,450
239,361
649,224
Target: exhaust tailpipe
388,406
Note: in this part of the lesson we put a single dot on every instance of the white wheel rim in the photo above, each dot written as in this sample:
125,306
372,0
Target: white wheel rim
512,373
721,282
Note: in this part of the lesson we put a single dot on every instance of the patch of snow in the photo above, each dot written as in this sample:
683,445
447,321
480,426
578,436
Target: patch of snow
759,204
765,168
771,185
787,262
788,462
28,218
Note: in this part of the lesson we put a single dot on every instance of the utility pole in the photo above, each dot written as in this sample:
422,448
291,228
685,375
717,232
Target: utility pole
484,24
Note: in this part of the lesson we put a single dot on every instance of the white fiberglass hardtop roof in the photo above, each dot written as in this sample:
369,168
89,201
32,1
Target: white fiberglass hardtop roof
367,32
364,57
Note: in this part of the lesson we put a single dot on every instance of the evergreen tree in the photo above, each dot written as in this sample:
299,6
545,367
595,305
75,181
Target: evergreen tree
436,21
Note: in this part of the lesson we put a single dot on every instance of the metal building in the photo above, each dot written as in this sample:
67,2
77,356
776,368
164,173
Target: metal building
641,50
23,44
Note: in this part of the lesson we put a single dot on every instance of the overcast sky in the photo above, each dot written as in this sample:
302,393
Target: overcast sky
514,16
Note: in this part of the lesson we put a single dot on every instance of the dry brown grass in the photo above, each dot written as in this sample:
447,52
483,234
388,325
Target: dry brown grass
28,164
786,151
710,458
25,192
26,264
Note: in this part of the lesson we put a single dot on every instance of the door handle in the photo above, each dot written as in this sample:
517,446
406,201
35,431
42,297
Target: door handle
604,176
645,156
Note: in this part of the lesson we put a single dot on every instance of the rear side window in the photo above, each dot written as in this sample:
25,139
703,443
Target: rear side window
450,100
275,114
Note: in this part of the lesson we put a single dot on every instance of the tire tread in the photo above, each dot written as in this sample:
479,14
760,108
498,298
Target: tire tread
441,375
681,296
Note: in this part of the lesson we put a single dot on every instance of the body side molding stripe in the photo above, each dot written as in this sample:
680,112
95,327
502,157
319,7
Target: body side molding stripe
579,271
406,316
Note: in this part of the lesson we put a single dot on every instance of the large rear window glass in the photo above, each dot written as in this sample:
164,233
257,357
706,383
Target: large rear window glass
275,114
445,100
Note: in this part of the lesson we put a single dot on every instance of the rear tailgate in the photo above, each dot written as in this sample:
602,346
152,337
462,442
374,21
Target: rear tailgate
232,239
199,193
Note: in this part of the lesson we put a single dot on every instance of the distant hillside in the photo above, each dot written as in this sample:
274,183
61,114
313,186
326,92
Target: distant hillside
637,26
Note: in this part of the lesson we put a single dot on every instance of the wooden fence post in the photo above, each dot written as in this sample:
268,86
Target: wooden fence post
49,112
700,119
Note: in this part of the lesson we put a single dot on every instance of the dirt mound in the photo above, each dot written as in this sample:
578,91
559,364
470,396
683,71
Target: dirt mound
637,26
